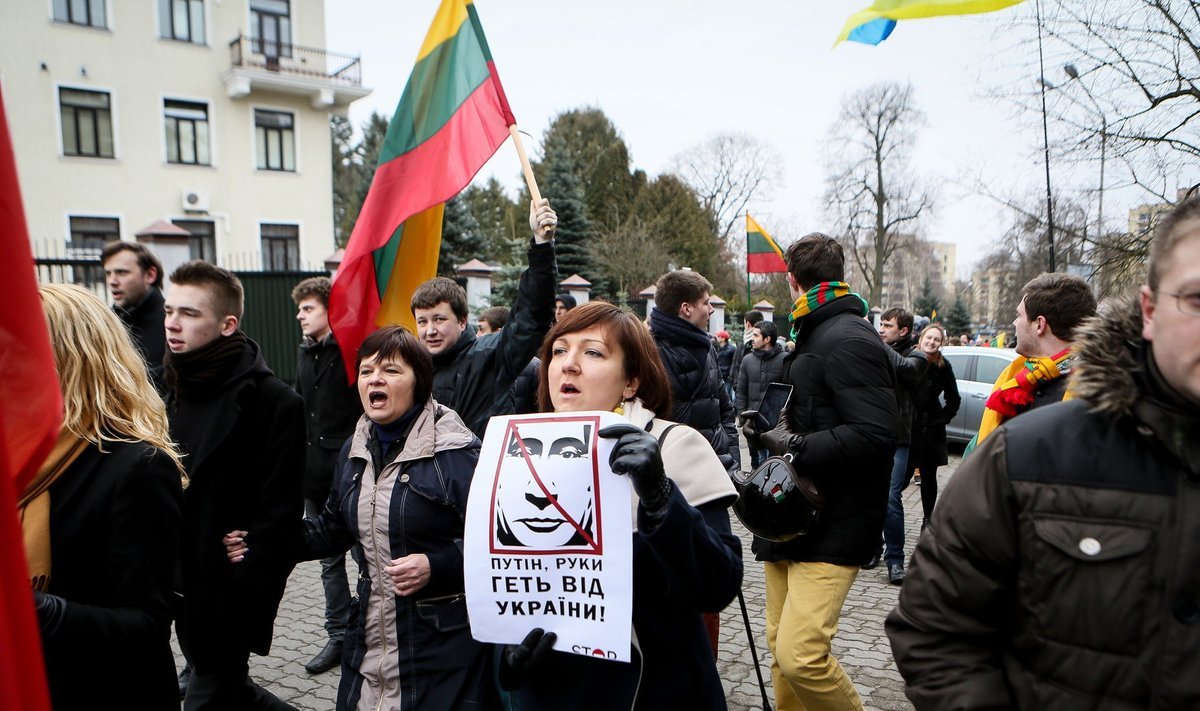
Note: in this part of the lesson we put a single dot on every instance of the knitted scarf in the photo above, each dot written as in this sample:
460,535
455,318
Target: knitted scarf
33,507
821,294
1013,392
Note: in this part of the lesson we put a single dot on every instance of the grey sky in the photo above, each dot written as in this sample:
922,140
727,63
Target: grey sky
670,74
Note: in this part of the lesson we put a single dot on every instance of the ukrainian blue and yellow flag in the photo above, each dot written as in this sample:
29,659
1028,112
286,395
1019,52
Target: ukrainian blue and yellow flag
874,24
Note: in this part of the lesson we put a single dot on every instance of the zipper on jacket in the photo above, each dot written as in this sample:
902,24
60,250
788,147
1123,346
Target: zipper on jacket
382,596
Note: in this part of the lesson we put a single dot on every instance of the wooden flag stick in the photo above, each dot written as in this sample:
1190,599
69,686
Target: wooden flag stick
529,179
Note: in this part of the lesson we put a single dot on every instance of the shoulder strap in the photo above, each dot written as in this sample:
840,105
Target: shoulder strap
663,436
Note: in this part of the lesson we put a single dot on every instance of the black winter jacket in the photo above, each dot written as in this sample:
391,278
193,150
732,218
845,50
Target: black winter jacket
1060,568
930,415
244,453
145,324
910,363
698,394
114,523
725,357
474,377
758,370
844,403
331,409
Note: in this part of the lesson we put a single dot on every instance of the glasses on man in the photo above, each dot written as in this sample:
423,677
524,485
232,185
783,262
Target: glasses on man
1188,303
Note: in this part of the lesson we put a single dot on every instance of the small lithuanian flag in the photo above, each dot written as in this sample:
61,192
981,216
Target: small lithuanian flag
762,254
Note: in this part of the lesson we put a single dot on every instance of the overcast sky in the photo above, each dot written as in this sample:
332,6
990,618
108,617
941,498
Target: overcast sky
670,74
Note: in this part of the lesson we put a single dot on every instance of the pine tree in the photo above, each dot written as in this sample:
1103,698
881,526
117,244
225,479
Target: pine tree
574,232
462,239
927,303
958,320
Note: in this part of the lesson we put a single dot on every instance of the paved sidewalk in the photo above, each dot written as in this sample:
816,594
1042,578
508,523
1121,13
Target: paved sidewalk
861,645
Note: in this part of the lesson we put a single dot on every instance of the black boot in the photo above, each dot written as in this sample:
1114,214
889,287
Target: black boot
326,659
874,562
185,679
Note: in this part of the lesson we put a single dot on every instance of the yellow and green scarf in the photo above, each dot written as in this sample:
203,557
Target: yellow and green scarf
818,296
1013,391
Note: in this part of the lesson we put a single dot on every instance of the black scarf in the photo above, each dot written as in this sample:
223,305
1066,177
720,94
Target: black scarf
200,373
676,330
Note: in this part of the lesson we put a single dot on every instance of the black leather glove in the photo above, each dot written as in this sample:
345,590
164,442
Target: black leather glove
50,611
780,441
518,661
636,454
752,422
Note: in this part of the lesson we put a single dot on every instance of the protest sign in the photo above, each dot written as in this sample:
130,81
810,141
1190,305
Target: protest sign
549,535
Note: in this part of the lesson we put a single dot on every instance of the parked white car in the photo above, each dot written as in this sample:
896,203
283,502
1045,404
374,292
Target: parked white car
976,369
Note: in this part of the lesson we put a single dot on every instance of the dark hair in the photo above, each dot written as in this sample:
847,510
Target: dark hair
768,329
674,289
753,317
496,317
815,258
903,318
396,342
224,288
313,288
567,300
145,258
1173,228
1064,300
627,331
441,290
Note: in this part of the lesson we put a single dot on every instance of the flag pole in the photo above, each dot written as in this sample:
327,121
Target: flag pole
525,166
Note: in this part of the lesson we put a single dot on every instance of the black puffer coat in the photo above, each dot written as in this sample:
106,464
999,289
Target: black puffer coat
910,363
1060,568
698,394
844,403
930,415
759,369
475,376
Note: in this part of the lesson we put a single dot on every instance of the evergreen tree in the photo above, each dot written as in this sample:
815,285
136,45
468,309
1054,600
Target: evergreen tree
670,212
600,161
346,174
574,229
462,239
927,302
499,218
958,320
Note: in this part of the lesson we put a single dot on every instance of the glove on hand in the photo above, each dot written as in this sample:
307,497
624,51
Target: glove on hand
50,611
750,428
636,454
780,441
518,661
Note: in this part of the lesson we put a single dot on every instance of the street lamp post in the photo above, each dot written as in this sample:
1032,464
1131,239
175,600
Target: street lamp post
1073,73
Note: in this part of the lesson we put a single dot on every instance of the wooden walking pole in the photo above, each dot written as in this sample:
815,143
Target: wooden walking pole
529,179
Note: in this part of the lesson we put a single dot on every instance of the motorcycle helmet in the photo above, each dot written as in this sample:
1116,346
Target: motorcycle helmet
775,503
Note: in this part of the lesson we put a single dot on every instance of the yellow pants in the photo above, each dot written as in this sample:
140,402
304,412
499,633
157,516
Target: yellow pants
804,602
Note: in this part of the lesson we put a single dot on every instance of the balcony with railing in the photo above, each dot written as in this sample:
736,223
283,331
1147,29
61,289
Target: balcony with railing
330,79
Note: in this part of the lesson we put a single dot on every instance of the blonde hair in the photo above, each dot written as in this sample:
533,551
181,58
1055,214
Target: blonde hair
937,358
107,394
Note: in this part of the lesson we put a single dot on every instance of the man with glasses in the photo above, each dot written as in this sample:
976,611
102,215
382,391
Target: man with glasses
1070,535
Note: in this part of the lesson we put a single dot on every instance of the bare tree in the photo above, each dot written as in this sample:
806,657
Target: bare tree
630,255
728,173
871,190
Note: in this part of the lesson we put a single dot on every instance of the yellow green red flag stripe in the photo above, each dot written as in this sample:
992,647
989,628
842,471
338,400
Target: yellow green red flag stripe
763,255
452,117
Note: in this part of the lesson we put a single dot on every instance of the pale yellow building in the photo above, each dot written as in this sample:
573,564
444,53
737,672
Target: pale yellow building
209,114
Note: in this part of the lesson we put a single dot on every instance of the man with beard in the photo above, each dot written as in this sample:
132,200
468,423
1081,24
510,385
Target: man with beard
134,277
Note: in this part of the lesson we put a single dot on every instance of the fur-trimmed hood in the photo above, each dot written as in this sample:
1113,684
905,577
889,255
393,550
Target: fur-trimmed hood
1105,351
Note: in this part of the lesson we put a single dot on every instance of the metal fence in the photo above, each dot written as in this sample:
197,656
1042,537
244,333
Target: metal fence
270,313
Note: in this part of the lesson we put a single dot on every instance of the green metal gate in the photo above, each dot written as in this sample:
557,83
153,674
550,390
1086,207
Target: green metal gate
270,317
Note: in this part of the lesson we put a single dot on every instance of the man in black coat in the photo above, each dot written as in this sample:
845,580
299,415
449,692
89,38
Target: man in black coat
332,408
134,277
840,427
752,319
474,376
241,431
699,400
762,367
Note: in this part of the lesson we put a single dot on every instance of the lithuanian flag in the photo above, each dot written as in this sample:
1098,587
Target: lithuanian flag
762,254
452,117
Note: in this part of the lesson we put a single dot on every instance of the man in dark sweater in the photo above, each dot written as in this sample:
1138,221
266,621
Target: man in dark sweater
332,408
134,277
241,431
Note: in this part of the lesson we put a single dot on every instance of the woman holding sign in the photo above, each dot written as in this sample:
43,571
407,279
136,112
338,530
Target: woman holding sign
686,561
398,497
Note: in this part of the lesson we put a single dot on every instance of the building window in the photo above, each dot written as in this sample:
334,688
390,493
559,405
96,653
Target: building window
280,247
186,124
86,123
89,13
88,237
181,20
203,242
276,140
271,28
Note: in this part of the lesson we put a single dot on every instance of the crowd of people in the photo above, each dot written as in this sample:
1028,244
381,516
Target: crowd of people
1053,571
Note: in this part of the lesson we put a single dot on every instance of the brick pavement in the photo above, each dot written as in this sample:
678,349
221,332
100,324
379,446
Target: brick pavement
861,645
